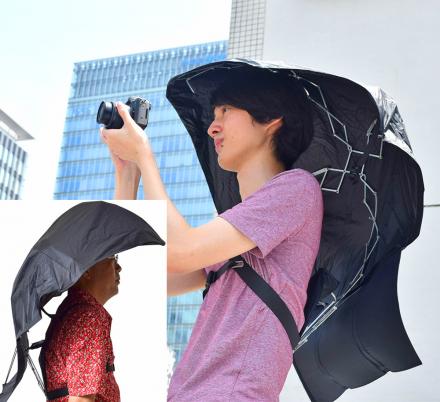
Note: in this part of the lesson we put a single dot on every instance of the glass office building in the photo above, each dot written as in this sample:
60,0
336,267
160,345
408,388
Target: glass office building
85,170
12,158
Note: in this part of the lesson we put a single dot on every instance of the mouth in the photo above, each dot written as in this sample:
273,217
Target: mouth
218,144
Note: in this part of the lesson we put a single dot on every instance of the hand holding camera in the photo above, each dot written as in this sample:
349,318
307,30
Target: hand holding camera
124,125
139,110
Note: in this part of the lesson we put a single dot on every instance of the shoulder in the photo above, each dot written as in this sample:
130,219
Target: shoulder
83,318
297,175
293,183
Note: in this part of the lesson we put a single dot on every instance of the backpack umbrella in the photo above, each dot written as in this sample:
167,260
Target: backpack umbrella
82,236
373,206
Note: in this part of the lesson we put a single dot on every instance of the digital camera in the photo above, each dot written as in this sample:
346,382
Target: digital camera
138,108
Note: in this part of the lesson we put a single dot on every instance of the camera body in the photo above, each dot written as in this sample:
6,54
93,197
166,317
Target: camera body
139,110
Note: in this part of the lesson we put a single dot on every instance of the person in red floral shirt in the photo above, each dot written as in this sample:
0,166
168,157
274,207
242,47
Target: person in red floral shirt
78,355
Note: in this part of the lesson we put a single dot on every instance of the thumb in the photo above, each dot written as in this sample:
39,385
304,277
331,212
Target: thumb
125,115
102,135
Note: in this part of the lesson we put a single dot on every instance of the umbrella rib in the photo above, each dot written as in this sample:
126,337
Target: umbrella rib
10,367
372,210
35,371
205,70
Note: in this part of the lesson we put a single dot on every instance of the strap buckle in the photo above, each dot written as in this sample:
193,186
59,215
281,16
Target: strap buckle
237,264
214,275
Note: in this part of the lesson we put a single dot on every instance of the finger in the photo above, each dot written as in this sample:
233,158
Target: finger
125,115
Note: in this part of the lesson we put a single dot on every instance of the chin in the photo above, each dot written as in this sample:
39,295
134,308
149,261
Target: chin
225,166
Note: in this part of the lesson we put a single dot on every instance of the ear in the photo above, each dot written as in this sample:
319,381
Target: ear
274,125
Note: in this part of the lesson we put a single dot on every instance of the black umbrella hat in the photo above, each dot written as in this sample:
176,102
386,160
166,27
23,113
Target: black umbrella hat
82,236
373,207
78,239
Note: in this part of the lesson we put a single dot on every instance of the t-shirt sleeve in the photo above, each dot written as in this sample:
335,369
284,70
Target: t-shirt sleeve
86,363
277,210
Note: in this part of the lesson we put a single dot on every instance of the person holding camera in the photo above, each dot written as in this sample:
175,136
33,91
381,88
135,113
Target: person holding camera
238,350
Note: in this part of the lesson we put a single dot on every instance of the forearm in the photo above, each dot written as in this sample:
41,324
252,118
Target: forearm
126,186
154,189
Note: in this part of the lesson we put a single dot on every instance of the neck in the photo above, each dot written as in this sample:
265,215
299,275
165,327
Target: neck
253,176
89,289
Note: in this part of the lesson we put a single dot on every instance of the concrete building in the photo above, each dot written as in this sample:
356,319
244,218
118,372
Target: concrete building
393,45
13,158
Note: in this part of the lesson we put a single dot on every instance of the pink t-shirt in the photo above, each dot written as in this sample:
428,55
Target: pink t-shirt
238,350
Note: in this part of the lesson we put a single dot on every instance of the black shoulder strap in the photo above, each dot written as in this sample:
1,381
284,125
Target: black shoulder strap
263,290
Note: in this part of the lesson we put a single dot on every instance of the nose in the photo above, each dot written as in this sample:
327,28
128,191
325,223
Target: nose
118,268
214,128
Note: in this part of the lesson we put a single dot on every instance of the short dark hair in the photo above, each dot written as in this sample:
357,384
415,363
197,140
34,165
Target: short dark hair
267,95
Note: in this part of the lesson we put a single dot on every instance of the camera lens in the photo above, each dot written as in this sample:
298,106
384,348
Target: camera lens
104,115
109,116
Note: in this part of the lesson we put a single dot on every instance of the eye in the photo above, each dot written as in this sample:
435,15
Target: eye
225,108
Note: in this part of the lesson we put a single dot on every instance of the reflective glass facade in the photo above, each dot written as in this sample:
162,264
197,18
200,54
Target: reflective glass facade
12,158
85,170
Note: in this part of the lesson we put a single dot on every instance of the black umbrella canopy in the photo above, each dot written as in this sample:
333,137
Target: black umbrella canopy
373,206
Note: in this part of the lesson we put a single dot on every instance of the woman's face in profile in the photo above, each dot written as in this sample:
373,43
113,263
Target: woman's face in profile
237,137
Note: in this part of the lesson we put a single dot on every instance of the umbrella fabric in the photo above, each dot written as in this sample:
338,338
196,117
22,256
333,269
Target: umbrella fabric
84,235
373,207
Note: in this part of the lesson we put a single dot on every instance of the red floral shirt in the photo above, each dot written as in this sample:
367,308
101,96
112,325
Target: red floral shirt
79,349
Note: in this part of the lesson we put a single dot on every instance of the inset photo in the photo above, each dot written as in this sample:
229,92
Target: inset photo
83,300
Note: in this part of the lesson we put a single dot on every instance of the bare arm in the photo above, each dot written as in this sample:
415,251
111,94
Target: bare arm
189,249
183,283
127,177
127,183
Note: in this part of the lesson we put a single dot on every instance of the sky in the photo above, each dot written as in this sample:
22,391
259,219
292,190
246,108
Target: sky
41,40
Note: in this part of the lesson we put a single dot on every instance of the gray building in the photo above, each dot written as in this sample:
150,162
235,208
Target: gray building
85,170
246,31
12,158
393,45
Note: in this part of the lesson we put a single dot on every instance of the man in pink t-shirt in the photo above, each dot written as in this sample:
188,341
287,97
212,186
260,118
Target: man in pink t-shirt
261,123
238,350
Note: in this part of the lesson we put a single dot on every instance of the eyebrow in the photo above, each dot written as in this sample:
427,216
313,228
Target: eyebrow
219,105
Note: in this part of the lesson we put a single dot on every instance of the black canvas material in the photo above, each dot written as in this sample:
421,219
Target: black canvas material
373,207
82,236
